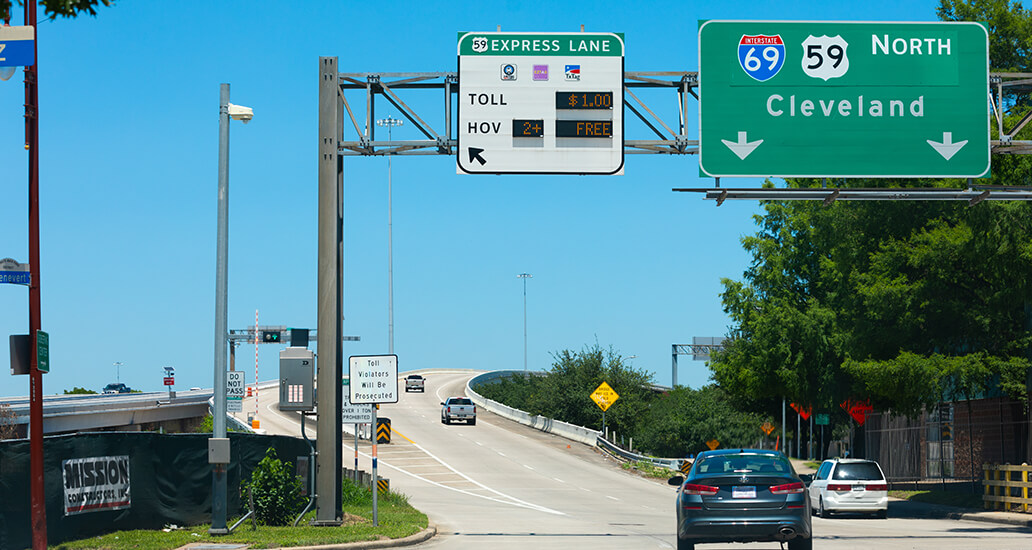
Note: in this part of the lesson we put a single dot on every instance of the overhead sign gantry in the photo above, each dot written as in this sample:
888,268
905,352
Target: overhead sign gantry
533,103
825,99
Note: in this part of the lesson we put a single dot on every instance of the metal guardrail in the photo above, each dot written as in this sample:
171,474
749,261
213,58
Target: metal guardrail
557,427
1000,486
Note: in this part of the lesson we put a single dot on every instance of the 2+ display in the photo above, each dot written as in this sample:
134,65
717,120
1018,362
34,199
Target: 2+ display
528,128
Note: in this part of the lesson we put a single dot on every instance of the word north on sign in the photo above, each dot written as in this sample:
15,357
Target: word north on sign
837,99
533,103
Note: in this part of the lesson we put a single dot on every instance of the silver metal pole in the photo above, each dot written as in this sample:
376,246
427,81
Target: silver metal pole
218,505
525,276
390,122
784,433
673,367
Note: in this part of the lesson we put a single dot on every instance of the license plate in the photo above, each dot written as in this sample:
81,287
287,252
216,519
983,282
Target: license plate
858,487
743,492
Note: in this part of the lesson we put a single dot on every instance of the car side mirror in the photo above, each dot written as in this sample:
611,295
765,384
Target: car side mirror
442,402
676,481
807,479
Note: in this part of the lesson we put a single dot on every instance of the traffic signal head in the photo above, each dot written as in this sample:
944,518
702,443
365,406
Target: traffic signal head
271,336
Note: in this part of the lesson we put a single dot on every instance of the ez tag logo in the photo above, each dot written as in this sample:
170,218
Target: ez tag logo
761,56
825,57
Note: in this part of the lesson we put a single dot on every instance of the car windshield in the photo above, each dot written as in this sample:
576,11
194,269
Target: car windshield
743,464
858,471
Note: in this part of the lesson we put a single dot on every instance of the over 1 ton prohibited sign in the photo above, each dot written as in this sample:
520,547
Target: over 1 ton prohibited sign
540,103
832,99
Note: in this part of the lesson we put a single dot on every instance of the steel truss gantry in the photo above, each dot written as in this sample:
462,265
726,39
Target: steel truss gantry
670,139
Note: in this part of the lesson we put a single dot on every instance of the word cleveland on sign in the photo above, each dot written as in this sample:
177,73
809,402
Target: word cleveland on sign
96,483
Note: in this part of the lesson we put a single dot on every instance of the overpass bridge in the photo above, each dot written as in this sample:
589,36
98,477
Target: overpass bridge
149,411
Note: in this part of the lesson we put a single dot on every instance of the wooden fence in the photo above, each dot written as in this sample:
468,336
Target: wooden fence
1006,487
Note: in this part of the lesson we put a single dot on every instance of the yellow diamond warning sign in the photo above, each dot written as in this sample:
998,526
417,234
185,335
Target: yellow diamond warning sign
767,427
604,396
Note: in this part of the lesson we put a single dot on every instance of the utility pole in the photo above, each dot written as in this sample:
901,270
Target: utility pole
38,500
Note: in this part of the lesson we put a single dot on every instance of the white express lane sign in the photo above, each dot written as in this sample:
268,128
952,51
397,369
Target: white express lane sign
540,103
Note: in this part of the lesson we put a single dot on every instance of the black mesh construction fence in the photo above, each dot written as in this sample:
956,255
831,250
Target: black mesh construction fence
170,480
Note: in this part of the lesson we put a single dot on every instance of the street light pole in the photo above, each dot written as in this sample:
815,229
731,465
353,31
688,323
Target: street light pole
218,474
390,122
118,371
525,276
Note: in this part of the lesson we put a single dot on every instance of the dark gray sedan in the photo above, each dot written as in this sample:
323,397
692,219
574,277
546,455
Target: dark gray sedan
742,495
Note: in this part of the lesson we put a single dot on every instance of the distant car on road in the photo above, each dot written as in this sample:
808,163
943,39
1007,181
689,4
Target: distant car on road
415,382
458,408
116,388
849,485
742,495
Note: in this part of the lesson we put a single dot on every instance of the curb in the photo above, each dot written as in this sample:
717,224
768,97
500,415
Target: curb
422,536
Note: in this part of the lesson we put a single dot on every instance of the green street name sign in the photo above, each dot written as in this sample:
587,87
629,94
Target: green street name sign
828,99
42,351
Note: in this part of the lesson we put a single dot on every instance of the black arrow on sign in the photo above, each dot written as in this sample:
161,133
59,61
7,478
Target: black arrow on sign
474,154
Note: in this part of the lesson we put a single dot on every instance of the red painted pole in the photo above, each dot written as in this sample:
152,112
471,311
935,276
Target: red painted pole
38,500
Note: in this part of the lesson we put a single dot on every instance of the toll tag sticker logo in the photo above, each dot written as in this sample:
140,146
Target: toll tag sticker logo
761,56
508,71
825,57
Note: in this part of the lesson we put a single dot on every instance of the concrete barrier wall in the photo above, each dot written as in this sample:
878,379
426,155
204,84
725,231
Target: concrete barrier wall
557,427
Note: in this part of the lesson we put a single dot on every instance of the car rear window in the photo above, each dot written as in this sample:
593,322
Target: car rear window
415,377
743,464
858,470
460,401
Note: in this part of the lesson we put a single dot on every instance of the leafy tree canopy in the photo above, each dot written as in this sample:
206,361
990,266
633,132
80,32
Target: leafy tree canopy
59,8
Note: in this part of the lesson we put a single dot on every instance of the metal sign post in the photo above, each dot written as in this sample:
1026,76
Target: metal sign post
373,380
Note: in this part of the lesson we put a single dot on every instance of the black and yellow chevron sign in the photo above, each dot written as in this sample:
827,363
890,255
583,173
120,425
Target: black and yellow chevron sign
383,485
685,466
383,433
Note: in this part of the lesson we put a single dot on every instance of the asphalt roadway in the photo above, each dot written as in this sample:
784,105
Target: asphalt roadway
500,485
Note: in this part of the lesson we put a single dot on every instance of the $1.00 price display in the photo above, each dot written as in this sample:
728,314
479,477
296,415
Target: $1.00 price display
583,100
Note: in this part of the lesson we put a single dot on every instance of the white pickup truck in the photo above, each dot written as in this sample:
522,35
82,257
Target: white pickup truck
458,408
415,382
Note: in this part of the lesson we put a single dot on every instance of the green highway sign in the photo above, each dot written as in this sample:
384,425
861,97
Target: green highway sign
42,351
833,99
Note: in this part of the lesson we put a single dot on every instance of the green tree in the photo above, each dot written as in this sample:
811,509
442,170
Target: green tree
59,8
683,420
905,303
77,390
276,490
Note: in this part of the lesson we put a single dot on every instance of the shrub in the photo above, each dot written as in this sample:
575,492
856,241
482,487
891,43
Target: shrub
276,491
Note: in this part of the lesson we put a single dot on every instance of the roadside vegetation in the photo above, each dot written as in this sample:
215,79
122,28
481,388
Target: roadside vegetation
278,500
648,469
671,424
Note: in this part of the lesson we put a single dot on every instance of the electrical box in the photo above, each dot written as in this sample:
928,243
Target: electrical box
297,379
218,450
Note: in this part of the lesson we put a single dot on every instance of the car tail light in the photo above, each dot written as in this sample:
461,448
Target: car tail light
449,410
474,409
878,487
704,490
787,489
839,487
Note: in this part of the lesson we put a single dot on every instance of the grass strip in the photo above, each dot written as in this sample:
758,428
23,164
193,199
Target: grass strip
396,519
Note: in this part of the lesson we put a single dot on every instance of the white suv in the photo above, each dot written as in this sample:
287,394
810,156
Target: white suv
849,485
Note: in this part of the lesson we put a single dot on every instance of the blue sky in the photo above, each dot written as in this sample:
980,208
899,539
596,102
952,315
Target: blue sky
129,137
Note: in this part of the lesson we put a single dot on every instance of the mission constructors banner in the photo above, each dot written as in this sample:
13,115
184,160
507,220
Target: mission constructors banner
96,483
